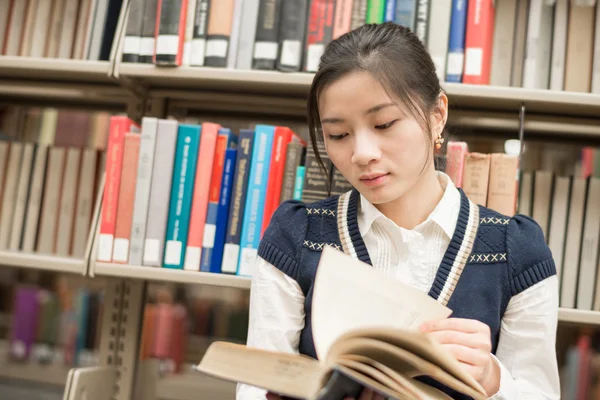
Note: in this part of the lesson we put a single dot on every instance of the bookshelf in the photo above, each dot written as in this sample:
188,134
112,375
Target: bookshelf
43,262
47,374
54,69
579,317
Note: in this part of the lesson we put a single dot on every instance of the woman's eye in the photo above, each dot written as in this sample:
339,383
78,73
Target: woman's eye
338,137
387,125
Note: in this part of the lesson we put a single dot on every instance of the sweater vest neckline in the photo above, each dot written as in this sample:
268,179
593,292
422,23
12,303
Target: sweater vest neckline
454,260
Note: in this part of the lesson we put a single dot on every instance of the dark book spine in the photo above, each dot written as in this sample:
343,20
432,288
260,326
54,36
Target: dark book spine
359,13
169,43
316,180
422,21
292,161
199,37
238,197
339,184
292,32
266,45
133,31
148,41
218,36
319,32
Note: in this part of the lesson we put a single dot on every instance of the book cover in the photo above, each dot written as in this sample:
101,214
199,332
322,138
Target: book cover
478,42
292,31
456,43
266,42
476,177
406,13
220,20
133,32
375,11
319,32
170,32
198,50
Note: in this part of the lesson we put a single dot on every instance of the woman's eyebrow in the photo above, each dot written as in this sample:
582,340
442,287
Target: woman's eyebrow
374,109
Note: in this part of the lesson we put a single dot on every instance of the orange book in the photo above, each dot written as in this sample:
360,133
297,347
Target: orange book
502,190
163,330
179,337
206,156
147,332
479,39
131,153
119,125
476,177
283,136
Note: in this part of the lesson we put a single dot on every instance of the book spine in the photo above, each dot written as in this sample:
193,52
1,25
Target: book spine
559,44
588,267
35,198
342,18
210,227
536,69
171,32
316,181
299,186
580,48
237,208
234,40
476,176
406,13
503,45
114,164
596,56
257,190
339,184
502,192
223,210
24,185
422,21
142,189
219,33
283,136
456,43
68,201
81,312
247,34
23,330
359,14
208,142
438,35
186,158
4,152
199,36
292,32
85,202
478,42
10,192
160,189
319,32
375,11
390,11
266,45
131,153
455,161
292,161
163,330
133,32
149,32
51,201
190,17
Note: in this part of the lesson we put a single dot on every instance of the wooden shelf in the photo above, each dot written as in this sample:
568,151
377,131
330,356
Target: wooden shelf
43,262
194,80
169,275
55,69
579,317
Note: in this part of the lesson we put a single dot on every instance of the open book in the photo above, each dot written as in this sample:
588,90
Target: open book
365,333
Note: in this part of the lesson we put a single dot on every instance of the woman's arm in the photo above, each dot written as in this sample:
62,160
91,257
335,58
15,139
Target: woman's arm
276,317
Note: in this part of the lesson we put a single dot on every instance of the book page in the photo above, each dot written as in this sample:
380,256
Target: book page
290,375
350,294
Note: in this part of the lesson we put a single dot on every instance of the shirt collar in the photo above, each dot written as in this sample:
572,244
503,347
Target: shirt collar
444,214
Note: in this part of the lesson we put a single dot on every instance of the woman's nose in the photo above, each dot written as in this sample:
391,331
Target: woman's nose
366,149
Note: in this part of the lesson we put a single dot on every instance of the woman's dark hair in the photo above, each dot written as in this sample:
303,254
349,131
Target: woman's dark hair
394,56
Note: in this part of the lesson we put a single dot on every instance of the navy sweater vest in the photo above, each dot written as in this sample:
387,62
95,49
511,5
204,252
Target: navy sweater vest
490,257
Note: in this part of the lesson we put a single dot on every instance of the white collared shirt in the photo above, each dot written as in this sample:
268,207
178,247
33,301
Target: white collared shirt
526,348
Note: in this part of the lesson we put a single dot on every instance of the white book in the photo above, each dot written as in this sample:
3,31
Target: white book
558,220
4,10
234,38
21,200
34,202
559,45
4,149
596,62
438,35
247,34
51,200
541,199
525,193
589,247
94,41
15,28
504,38
189,33
68,201
142,190
67,34
570,270
536,70
85,202
41,28
10,192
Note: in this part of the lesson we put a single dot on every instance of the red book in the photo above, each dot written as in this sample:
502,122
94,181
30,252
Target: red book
455,161
479,42
163,330
119,126
283,136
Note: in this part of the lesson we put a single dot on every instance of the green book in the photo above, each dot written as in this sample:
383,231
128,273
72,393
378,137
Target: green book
375,11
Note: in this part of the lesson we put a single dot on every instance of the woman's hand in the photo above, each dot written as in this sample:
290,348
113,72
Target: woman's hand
469,341
365,395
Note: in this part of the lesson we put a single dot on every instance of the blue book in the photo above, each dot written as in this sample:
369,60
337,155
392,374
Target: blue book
406,13
255,199
456,43
390,10
223,210
299,184
231,250
182,190
226,139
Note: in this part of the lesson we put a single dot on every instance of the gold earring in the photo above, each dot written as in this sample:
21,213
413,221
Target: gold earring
439,141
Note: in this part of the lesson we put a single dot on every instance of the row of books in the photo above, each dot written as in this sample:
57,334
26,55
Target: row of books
565,207
70,29
531,43
194,196
50,162
580,373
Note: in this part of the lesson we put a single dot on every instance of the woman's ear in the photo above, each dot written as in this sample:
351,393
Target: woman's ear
440,115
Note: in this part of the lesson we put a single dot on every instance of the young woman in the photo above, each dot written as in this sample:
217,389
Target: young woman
377,105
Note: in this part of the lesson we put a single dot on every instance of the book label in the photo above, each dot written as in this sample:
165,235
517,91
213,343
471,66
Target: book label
291,51
197,52
247,261
193,255
209,236
132,44
474,61
173,252
231,253
265,50
216,48
167,44
147,46
121,250
314,53
105,244
151,252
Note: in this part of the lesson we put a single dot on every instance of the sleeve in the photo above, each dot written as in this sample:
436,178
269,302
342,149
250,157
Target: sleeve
526,350
283,238
529,258
276,317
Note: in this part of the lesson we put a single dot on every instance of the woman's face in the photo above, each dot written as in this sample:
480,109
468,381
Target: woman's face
373,141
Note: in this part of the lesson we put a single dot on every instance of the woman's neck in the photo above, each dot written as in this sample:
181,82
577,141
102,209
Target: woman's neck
415,206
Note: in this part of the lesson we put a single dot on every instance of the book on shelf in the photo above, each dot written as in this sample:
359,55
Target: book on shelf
383,351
